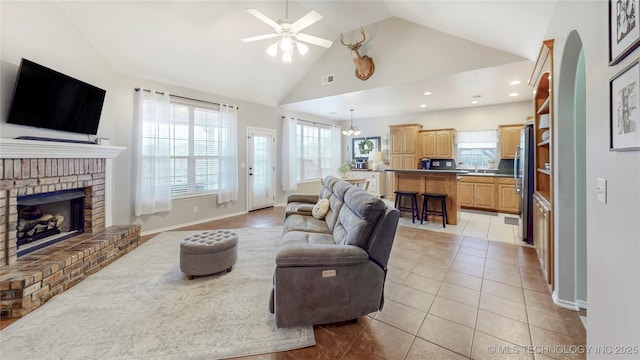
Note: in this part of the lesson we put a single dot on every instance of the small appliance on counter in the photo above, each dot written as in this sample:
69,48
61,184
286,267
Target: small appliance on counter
360,164
443,164
425,164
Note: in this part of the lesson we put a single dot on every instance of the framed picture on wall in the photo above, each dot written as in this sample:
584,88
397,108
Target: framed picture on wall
362,147
624,29
624,100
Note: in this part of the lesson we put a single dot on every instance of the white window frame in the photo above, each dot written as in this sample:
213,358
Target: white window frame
476,140
191,158
317,154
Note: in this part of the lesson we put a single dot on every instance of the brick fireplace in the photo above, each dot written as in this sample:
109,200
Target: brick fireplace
37,167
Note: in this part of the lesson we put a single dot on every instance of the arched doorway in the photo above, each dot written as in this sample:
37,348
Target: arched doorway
570,236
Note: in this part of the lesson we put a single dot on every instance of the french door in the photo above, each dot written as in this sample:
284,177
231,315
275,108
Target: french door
261,168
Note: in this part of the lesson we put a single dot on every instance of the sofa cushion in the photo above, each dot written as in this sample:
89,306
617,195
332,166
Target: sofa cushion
298,208
358,217
336,201
320,209
303,237
297,222
320,255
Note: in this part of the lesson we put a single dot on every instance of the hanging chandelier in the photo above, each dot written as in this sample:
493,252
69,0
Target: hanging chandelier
355,131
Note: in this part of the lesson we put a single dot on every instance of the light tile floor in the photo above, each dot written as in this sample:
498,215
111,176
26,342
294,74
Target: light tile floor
473,223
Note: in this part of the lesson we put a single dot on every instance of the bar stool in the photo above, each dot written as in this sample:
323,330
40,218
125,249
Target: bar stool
413,197
426,211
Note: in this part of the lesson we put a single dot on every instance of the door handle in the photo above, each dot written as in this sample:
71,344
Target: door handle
516,170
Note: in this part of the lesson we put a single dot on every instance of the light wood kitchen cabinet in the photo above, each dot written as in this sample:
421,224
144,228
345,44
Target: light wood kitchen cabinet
444,145
477,192
428,141
465,194
508,199
404,149
509,140
488,193
484,196
542,238
404,138
404,161
437,144
376,179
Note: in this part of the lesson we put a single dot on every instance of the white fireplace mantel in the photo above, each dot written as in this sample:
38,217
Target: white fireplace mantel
37,149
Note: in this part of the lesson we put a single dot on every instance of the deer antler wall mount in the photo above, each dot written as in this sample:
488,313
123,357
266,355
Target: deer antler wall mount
364,64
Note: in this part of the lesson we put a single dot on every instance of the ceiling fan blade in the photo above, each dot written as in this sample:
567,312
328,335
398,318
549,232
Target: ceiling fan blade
265,19
258,37
305,21
314,40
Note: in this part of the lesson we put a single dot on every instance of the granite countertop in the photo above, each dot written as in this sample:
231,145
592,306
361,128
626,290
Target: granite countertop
488,174
421,171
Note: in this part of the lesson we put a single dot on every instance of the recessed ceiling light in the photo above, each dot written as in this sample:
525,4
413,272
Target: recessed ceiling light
423,105
513,94
427,93
514,82
474,102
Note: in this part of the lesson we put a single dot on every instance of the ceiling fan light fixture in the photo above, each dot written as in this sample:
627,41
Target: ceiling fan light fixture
273,49
286,56
288,33
302,48
286,44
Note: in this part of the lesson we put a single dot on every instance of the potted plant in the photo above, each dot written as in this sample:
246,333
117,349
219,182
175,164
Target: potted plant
342,169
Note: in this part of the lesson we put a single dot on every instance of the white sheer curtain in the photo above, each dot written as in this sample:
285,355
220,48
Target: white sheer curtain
477,138
289,154
336,149
228,153
153,164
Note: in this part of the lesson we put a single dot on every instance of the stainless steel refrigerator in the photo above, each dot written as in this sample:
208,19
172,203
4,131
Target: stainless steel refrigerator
523,173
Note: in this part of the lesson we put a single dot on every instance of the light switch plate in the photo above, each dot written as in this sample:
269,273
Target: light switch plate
601,190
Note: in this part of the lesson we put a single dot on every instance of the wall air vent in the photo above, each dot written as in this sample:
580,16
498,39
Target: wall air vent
327,79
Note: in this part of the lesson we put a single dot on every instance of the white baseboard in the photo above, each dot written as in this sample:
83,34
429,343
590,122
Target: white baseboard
571,305
173,227
582,304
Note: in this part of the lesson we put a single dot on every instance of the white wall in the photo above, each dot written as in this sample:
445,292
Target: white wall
397,62
40,32
613,229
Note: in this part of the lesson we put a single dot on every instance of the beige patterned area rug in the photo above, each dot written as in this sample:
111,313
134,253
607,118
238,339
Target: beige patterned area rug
143,307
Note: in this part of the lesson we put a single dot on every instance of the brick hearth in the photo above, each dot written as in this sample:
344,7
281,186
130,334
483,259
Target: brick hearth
37,277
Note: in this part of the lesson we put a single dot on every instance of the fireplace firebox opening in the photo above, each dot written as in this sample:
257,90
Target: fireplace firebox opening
47,218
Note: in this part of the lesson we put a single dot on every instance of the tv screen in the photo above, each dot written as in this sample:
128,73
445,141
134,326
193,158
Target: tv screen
45,98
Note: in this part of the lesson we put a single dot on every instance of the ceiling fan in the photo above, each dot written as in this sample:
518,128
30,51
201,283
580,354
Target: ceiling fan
289,34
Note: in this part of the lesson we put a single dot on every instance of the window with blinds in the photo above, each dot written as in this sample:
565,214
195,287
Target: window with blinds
194,136
314,152
476,148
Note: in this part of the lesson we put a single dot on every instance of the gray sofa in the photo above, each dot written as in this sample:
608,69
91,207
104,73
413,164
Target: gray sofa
332,269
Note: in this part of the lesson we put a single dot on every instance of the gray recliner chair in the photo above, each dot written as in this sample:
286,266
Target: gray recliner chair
333,269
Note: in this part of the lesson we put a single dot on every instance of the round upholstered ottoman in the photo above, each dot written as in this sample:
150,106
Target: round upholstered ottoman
208,252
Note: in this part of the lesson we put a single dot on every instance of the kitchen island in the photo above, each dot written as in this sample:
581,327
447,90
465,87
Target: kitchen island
431,181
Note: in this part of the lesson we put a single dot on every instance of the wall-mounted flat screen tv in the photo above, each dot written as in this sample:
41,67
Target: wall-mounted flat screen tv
48,99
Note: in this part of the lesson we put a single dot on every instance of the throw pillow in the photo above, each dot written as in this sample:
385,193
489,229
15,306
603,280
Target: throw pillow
321,208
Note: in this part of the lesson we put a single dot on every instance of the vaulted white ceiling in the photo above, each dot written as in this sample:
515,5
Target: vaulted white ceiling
196,44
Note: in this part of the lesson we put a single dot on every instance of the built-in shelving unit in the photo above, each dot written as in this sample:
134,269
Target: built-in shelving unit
542,83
